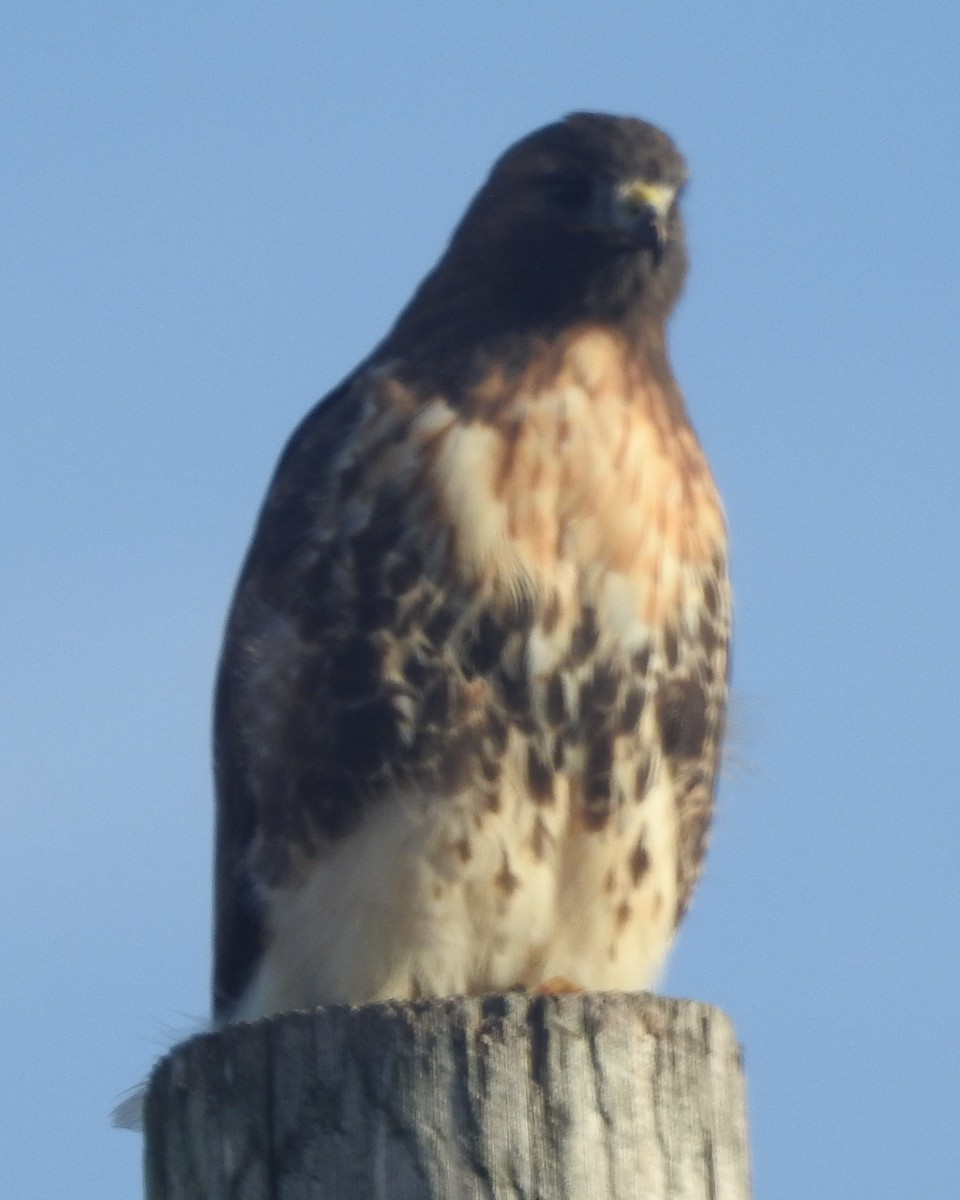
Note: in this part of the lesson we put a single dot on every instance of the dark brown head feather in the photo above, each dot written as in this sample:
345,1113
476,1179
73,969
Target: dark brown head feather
535,253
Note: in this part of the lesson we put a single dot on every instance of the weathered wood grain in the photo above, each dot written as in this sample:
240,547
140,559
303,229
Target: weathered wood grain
575,1097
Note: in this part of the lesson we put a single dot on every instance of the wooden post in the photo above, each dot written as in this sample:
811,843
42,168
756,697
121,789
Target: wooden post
573,1097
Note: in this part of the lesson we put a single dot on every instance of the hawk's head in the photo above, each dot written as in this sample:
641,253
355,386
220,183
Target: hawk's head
578,221
584,212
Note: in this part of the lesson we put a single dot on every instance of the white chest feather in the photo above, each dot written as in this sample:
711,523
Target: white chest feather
419,904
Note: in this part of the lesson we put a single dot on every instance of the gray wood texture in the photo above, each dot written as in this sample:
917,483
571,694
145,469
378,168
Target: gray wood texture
572,1097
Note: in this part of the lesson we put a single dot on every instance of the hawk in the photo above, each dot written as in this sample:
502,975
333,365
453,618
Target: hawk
473,683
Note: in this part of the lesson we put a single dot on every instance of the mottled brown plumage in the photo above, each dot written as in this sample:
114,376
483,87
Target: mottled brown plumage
472,692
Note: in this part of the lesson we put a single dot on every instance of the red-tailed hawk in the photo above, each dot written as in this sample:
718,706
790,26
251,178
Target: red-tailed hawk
473,684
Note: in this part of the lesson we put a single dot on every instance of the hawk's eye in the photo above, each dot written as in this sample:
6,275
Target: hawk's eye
572,192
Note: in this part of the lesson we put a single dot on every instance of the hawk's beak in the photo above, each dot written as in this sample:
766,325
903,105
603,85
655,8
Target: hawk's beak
641,209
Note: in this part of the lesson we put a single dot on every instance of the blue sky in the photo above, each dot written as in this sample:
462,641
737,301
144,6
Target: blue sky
208,214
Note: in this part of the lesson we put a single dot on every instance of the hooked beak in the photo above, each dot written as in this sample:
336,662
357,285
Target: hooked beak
641,209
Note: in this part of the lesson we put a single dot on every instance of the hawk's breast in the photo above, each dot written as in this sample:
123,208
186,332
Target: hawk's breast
584,482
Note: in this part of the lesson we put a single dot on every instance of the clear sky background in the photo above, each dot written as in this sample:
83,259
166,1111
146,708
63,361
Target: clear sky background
210,213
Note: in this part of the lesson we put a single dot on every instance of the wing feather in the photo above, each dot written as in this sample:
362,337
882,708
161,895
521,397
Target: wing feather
299,489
